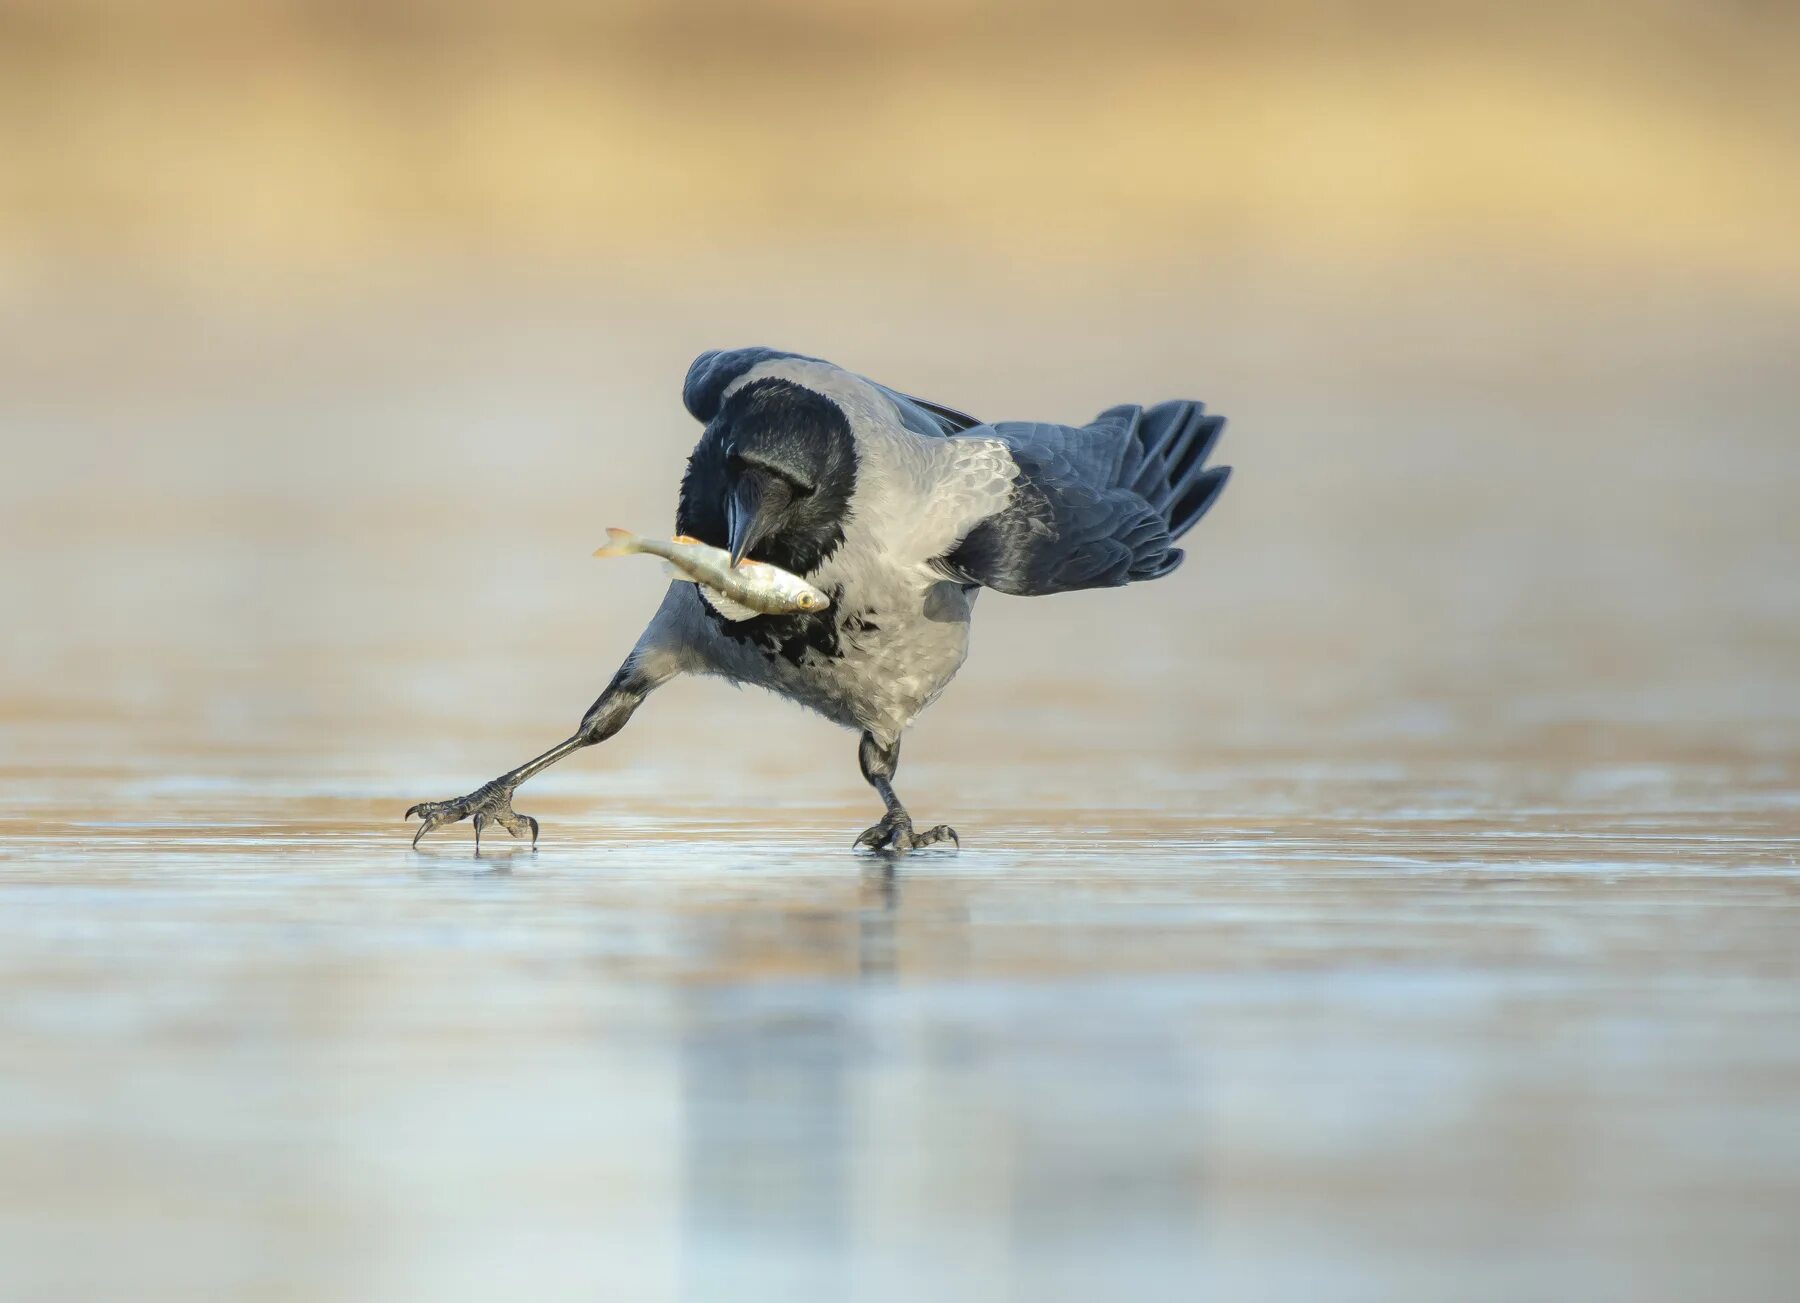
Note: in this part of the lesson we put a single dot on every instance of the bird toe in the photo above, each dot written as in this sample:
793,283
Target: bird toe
486,804
932,836
890,833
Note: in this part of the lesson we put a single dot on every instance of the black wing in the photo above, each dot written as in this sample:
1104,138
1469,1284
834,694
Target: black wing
1095,506
930,418
712,373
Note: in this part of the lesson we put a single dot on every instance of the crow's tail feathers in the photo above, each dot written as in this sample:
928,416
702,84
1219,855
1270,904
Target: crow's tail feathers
1164,459
1098,505
1163,452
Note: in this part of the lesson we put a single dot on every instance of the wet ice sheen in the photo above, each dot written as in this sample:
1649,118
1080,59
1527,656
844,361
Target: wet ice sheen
724,1059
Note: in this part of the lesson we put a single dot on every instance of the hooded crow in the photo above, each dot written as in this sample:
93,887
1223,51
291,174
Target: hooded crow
901,511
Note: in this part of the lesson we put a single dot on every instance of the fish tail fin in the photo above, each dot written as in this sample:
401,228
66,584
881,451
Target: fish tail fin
619,542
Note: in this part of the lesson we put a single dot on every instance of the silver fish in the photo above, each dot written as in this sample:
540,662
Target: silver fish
751,589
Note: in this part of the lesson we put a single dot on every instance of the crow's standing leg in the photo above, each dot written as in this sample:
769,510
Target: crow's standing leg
492,801
895,829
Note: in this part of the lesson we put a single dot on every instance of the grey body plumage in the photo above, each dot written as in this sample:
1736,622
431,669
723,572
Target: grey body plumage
901,511
891,658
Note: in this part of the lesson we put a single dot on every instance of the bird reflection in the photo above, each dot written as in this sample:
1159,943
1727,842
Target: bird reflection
875,950
766,1149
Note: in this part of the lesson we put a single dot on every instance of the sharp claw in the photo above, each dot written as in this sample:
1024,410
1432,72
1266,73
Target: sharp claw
898,836
486,805
890,834
411,810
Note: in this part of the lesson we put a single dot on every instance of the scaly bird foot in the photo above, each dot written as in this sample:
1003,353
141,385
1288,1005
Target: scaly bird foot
895,832
489,803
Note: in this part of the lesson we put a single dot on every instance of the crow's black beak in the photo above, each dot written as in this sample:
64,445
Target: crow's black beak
756,504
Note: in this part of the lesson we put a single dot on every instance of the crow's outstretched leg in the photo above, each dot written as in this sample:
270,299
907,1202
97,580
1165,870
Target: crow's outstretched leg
492,801
895,830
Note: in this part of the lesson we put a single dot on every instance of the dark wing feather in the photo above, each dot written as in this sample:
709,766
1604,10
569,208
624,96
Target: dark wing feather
712,373
930,418
1095,506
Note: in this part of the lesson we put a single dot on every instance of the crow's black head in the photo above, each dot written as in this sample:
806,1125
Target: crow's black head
772,476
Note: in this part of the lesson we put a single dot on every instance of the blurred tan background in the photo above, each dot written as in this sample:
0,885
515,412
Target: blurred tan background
1401,896
289,136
